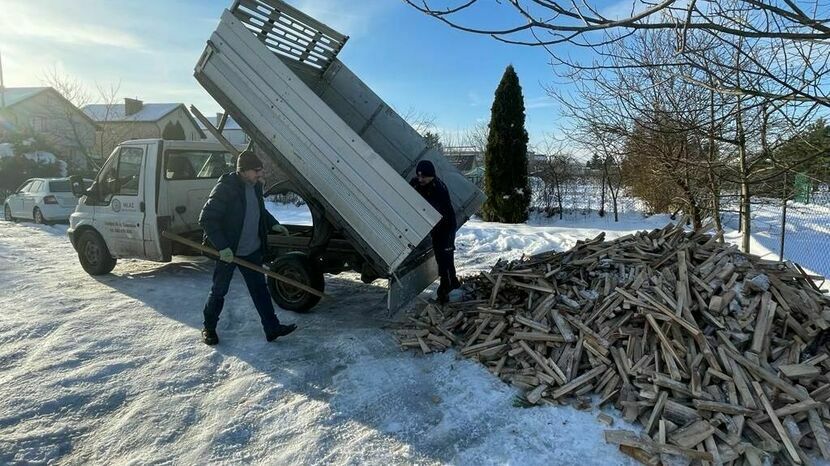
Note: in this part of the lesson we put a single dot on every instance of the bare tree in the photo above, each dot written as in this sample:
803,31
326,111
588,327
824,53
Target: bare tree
800,32
612,168
555,172
421,122
70,127
109,134
694,136
107,99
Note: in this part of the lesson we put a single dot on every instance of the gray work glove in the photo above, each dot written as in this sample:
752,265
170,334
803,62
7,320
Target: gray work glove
226,255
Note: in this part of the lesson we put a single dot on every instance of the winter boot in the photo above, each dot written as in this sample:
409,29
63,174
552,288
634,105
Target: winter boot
442,296
210,337
279,331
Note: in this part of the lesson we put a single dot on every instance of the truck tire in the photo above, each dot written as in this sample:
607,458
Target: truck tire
94,255
296,266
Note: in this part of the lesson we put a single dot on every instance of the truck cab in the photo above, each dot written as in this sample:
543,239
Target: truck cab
145,187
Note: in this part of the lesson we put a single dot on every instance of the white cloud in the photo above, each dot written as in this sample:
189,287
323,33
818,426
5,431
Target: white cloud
58,24
539,102
475,99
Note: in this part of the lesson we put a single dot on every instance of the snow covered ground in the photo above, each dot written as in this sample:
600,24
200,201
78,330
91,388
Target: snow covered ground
111,369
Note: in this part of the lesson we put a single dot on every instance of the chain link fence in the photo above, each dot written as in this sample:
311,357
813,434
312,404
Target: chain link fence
793,226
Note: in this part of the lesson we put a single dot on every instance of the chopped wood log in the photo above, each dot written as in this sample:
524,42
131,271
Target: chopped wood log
713,351
691,435
820,433
577,382
799,407
799,371
562,325
657,411
624,437
538,336
782,434
640,455
532,324
727,408
424,347
536,394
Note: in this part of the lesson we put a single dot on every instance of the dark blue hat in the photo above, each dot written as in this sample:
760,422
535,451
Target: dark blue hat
425,168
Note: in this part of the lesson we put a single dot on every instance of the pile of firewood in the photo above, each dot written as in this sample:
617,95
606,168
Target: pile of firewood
713,351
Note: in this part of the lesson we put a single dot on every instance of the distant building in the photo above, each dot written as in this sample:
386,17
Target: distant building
45,112
469,160
464,158
135,119
232,131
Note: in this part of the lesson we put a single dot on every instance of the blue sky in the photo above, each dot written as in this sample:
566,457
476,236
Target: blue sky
150,47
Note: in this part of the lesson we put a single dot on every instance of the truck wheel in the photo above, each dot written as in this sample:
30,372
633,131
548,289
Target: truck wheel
94,255
296,266
7,213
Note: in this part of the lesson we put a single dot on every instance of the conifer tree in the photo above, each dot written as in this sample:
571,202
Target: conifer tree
505,158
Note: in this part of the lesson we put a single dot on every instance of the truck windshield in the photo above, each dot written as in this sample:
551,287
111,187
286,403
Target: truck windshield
194,164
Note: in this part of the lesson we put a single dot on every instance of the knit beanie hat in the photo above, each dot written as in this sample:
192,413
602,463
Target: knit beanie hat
425,168
248,161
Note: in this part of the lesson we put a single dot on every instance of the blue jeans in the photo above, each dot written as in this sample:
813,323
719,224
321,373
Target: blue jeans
255,281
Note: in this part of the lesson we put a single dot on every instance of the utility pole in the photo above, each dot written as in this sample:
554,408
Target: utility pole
2,88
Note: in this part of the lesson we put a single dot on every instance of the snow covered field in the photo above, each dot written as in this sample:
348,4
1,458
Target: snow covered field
111,369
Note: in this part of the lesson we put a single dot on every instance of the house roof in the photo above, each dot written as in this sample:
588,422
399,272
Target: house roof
150,113
462,162
230,124
15,95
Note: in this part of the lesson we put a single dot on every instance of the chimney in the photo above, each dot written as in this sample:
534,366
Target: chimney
132,106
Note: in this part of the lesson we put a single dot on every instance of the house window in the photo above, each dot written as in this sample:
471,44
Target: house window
38,123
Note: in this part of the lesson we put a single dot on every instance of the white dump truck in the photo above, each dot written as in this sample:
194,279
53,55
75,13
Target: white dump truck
335,143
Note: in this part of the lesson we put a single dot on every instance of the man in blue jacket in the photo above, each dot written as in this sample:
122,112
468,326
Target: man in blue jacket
236,222
443,234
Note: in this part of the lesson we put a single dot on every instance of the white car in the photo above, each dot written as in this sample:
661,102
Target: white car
44,200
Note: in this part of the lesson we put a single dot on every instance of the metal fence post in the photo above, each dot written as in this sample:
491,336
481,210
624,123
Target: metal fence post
783,220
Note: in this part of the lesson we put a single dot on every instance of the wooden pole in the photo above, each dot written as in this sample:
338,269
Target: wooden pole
243,263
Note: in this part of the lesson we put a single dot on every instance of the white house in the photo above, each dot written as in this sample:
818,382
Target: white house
135,119
232,132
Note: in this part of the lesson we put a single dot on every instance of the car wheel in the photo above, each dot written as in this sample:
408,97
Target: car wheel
37,215
7,213
94,255
298,267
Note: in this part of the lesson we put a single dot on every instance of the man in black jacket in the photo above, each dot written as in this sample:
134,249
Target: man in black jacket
236,222
443,234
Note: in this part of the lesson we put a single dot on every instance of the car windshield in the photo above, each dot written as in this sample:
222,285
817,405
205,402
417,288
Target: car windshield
61,186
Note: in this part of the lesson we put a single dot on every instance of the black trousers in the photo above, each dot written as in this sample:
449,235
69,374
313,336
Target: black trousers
444,248
222,275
